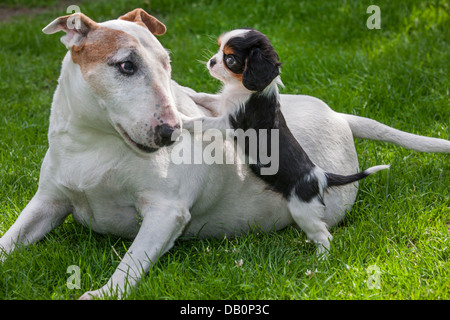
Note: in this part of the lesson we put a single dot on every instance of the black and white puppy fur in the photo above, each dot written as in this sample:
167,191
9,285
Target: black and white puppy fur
249,68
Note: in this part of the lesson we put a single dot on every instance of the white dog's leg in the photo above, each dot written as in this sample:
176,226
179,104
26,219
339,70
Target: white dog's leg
40,216
308,216
161,226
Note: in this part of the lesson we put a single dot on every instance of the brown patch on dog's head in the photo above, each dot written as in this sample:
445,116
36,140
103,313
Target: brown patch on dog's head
99,47
92,44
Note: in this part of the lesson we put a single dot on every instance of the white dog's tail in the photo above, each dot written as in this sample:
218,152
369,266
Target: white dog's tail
370,129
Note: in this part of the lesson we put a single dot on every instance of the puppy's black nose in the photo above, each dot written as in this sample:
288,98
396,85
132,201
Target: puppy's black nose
165,132
212,62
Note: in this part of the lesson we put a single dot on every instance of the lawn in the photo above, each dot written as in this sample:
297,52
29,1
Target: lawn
392,245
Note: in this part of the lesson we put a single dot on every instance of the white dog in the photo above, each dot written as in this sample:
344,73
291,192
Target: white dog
113,110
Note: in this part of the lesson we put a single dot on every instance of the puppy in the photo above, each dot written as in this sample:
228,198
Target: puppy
249,68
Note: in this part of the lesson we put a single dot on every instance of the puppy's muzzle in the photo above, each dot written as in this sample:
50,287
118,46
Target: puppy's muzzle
166,135
212,62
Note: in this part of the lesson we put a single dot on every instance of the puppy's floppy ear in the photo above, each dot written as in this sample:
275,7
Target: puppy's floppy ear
144,19
76,27
260,69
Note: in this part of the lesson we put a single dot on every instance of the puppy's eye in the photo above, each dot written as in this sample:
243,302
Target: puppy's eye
127,67
230,60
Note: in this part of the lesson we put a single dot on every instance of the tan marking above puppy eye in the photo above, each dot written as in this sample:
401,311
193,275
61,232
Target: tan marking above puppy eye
228,50
219,41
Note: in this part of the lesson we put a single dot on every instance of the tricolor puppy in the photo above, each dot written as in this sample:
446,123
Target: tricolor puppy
249,67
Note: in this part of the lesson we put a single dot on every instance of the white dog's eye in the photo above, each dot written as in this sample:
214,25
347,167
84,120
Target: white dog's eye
127,67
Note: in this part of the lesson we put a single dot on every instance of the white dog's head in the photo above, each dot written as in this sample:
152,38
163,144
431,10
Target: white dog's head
129,73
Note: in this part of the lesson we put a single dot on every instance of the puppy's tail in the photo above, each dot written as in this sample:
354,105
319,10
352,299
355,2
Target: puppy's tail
339,180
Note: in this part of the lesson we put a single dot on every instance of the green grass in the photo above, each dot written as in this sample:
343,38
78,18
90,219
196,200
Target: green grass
400,222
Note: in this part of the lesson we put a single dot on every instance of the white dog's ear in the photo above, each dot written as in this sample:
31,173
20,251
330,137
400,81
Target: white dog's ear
144,19
76,26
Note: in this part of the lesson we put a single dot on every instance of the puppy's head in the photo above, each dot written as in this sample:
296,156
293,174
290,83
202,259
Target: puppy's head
246,56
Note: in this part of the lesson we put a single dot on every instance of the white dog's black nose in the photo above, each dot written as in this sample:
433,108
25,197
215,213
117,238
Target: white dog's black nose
212,62
164,134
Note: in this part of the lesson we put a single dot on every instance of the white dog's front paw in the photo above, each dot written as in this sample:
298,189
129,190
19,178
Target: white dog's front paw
91,295
3,252
95,294
102,293
323,252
